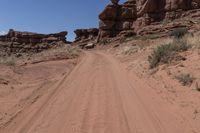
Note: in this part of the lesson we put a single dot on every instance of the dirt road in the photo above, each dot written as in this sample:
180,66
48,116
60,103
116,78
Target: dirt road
99,96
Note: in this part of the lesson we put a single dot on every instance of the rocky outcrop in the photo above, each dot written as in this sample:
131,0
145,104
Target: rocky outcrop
86,38
136,14
16,42
116,18
157,10
33,38
86,34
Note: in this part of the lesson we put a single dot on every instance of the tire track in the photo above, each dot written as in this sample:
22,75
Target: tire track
98,97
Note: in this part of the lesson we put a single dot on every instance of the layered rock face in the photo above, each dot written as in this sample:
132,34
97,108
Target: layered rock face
157,10
33,38
26,42
86,34
134,14
116,18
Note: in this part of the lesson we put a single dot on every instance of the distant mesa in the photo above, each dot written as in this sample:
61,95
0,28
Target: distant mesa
25,42
34,38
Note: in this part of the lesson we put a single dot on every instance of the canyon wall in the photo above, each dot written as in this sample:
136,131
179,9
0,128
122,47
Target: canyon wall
136,14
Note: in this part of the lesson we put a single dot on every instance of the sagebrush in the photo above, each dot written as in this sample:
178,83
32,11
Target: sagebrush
185,79
167,52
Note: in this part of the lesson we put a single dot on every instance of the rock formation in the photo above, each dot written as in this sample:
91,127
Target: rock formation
86,34
116,18
135,14
195,4
16,42
33,38
86,38
157,10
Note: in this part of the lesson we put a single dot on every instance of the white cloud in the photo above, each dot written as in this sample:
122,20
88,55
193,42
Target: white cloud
3,32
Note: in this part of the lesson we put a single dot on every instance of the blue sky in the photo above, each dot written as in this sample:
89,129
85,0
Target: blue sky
48,16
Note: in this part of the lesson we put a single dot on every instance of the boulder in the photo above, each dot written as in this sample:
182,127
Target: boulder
90,46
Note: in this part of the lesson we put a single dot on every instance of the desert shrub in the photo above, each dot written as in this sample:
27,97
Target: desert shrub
8,60
181,45
179,32
185,79
160,54
73,51
130,50
167,52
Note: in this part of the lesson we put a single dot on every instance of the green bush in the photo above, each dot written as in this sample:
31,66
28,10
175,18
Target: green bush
179,32
167,52
185,79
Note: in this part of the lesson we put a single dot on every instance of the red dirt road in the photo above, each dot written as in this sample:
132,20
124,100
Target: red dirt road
99,96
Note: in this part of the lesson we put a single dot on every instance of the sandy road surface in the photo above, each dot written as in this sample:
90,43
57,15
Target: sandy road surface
99,96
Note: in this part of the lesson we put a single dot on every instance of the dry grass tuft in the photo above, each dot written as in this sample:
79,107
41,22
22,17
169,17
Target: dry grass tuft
61,52
185,79
64,51
8,60
167,52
